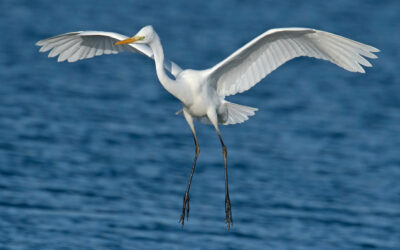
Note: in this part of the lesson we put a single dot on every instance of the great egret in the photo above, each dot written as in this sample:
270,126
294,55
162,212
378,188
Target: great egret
203,92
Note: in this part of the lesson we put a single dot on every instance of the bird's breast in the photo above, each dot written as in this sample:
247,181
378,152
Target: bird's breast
201,98
202,102
199,107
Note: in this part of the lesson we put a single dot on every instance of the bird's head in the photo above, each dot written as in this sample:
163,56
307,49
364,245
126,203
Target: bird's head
145,35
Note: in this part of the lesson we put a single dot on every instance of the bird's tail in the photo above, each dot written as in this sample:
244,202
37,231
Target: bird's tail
238,113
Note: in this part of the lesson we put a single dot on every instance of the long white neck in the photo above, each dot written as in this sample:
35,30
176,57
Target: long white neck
169,84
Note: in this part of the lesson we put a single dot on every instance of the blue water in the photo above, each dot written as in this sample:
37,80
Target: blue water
93,157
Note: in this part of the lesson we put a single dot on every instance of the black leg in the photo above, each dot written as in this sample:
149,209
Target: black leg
228,209
213,117
185,207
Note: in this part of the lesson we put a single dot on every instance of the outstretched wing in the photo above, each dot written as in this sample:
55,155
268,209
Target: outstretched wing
80,45
251,63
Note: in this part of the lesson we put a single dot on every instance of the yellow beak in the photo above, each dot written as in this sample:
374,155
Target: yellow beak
130,40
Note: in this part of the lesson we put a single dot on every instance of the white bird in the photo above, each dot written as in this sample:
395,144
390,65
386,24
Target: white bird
202,92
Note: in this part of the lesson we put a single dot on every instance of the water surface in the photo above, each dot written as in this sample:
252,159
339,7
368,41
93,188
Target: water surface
93,157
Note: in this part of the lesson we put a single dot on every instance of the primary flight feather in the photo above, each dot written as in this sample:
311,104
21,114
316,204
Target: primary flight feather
203,92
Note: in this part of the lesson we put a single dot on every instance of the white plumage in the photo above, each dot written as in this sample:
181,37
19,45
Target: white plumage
81,45
251,63
203,92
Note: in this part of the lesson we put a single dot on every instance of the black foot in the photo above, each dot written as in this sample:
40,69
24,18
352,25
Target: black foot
228,212
185,209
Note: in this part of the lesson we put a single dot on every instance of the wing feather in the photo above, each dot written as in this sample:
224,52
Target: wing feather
54,42
99,50
248,65
62,46
81,45
92,45
85,52
78,53
107,46
68,52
